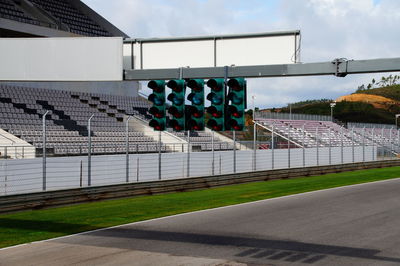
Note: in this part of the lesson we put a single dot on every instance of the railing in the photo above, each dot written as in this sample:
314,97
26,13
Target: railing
369,125
17,152
288,116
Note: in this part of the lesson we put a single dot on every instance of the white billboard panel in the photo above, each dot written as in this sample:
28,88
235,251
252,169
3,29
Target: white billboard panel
256,51
213,51
184,53
61,59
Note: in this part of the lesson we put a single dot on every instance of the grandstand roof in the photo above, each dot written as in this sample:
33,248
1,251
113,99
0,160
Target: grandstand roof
52,18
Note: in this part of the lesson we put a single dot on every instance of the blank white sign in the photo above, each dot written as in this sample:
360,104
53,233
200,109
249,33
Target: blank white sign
208,51
61,59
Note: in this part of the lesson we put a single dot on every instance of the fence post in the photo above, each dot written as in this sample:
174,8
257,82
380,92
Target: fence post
44,149
383,143
127,148
220,164
90,151
254,146
316,137
273,148
341,144
288,148
373,145
390,140
398,140
81,175
330,146
363,144
137,169
352,144
159,155
234,151
5,176
304,150
213,154
188,156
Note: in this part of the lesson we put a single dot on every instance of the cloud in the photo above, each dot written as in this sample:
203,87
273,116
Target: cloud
354,29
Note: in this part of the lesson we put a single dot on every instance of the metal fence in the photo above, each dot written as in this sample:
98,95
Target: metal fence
43,173
288,116
369,125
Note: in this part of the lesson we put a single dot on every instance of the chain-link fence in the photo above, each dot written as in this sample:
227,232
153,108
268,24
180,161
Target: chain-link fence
141,162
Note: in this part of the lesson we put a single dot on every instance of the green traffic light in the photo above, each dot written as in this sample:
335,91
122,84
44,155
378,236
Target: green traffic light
217,107
237,104
177,99
158,109
195,112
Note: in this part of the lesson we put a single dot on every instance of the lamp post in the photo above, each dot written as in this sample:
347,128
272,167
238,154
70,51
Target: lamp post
254,134
333,104
253,97
396,117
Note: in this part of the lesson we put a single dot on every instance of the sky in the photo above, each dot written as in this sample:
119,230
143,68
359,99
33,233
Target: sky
352,29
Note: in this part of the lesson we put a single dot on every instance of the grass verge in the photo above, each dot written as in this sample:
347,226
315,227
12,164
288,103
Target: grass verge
28,226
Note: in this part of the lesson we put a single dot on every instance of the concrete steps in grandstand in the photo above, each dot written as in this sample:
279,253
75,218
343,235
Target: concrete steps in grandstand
172,142
12,147
223,138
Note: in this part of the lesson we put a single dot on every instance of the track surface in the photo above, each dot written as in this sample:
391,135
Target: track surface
355,225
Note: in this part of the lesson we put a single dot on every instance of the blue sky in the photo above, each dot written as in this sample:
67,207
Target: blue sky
354,29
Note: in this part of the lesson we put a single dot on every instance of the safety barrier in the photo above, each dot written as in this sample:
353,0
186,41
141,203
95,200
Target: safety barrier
63,197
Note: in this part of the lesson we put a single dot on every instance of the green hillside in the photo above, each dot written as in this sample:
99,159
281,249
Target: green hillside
392,92
349,112
357,111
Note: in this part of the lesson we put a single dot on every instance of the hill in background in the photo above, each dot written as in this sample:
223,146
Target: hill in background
369,104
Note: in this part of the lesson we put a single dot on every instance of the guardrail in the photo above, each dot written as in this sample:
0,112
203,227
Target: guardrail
62,197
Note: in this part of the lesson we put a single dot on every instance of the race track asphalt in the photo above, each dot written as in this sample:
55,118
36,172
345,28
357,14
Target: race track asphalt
353,225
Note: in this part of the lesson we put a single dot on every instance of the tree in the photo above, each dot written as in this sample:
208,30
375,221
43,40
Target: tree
361,88
388,81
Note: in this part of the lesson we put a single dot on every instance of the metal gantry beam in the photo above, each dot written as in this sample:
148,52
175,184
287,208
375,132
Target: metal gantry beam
338,67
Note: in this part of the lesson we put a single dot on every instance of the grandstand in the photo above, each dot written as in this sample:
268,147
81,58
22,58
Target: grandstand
313,133
52,18
22,109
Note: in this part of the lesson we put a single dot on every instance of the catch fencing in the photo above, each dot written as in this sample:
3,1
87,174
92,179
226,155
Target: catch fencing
18,176
130,161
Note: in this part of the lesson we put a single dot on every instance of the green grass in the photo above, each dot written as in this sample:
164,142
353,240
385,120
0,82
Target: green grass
28,226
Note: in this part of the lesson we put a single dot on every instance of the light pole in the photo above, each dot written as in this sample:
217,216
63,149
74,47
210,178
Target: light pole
253,97
396,117
254,134
333,104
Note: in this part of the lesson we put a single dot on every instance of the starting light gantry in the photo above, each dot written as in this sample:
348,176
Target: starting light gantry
226,110
229,116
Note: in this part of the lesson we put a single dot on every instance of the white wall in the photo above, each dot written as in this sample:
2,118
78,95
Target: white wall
61,59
